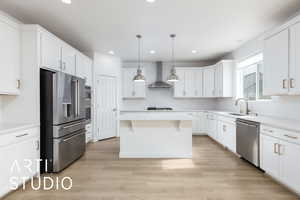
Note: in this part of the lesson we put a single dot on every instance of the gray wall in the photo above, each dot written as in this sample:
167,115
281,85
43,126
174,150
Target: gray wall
164,97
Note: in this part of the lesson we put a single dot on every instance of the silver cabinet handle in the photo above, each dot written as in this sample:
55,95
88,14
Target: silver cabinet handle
267,130
279,150
23,135
284,84
291,137
292,85
37,145
276,148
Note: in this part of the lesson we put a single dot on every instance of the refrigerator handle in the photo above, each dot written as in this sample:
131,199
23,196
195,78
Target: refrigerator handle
76,98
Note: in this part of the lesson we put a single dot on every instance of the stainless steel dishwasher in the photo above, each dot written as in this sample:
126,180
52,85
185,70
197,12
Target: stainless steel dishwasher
247,140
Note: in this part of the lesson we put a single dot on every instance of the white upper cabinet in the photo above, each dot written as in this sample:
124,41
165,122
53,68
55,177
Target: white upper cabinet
10,59
179,86
276,64
132,89
84,68
295,59
224,78
68,55
190,84
209,82
50,52
59,56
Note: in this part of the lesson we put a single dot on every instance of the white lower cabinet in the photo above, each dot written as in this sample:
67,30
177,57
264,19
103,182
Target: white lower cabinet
198,123
19,155
227,134
279,155
89,135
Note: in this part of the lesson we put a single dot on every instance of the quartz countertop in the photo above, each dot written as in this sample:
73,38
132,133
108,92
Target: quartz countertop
6,128
156,115
287,124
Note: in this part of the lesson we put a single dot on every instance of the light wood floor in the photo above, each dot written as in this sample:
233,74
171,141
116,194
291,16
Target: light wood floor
212,174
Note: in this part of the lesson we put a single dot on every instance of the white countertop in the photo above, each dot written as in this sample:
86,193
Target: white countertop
6,128
287,124
154,115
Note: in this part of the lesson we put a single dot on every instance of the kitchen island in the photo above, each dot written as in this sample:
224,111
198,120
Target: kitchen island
155,134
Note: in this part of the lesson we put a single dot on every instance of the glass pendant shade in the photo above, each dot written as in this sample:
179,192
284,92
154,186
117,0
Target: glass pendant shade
173,77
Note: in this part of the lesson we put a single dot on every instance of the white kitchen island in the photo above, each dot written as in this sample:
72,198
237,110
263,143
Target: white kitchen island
155,134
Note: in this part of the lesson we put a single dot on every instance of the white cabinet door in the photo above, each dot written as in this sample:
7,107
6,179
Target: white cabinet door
190,87
198,77
295,59
269,158
10,59
50,52
80,66
276,64
229,135
139,89
209,82
18,161
179,86
68,59
88,72
219,80
289,162
132,89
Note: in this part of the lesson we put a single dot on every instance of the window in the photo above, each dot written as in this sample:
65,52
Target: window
250,78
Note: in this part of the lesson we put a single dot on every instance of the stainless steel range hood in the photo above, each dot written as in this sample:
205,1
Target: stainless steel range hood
159,83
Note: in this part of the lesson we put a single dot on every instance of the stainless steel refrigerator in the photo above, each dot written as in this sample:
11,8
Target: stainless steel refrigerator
62,120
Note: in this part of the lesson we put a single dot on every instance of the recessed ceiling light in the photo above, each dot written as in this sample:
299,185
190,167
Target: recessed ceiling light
194,51
150,1
111,52
152,52
67,1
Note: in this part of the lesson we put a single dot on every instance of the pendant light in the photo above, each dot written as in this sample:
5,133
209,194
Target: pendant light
139,77
173,77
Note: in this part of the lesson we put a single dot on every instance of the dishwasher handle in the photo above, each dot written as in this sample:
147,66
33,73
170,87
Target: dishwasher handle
246,124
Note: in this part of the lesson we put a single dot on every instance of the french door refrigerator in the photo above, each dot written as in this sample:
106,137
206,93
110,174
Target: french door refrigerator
62,106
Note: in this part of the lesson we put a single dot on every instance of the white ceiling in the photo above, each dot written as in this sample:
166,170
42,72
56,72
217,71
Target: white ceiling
212,27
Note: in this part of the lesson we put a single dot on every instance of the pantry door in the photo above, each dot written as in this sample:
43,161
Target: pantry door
106,107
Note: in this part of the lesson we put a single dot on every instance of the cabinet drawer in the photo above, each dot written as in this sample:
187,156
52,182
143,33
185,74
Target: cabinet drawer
281,134
16,137
226,119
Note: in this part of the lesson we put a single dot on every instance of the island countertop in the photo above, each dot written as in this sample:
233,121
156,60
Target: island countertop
154,115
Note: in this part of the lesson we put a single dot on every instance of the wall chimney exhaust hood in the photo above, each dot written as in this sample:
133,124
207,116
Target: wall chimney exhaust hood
159,83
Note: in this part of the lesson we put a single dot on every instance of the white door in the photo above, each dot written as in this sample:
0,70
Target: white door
269,157
198,77
276,64
10,62
209,82
50,52
68,59
295,60
106,97
290,154
179,89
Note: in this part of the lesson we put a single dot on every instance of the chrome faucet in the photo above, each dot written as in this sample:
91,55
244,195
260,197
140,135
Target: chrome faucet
246,103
